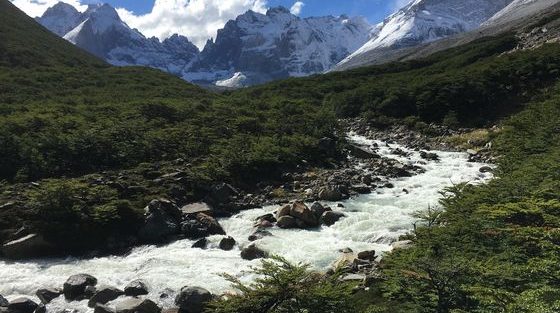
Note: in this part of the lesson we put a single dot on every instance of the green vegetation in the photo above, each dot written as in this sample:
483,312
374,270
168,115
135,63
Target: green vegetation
496,247
70,118
285,287
83,145
471,85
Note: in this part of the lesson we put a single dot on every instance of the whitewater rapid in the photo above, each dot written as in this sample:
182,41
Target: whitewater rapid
373,222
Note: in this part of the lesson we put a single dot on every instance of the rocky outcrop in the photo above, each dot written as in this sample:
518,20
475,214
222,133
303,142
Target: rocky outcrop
329,218
135,305
161,220
76,287
227,243
104,295
3,302
200,225
22,305
253,252
193,299
46,295
136,288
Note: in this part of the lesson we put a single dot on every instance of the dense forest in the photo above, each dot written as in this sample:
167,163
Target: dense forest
67,119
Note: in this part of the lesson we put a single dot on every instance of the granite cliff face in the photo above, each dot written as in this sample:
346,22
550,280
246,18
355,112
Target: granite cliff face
253,48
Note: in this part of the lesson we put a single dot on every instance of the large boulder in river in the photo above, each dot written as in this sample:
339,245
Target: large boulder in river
193,299
76,287
161,220
30,246
22,305
136,305
284,211
329,218
287,222
201,225
253,252
318,209
227,243
104,295
330,194
46,295
136,288
361,153
101,308
301,212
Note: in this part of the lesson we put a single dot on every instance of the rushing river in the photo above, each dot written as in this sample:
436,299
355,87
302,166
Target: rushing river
373,222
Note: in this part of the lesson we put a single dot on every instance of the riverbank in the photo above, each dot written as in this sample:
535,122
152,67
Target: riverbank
371,222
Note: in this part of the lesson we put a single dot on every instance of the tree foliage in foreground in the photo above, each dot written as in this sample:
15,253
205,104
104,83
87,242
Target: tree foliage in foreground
284,287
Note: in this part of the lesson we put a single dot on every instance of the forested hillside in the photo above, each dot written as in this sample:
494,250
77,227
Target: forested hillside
84,146
65,114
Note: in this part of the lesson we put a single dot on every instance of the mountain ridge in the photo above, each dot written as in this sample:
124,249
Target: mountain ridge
261,47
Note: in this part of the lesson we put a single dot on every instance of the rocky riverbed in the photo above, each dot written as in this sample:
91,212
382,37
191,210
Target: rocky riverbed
348,216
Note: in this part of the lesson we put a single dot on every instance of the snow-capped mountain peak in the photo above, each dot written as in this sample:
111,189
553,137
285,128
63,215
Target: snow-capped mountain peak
104,17
61,18
423,21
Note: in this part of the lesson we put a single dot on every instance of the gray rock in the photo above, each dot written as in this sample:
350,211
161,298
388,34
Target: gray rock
301,212
135,305
252,252
30,246
361,189
330,194
318,209
161,220
193,299
199,207
75,287
104,295
22,305
3,302
367,255
101,308
403,244
200,244
48,294
259,234
221,194
284,211
201,225
486,169
287,222
41,309
329,218
361,153
136,288
227,243
430,156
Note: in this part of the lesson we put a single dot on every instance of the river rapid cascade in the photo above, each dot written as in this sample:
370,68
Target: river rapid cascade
372,222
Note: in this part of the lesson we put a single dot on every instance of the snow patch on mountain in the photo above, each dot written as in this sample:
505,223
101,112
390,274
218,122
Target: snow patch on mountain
518,9
423,21
238,80
279,44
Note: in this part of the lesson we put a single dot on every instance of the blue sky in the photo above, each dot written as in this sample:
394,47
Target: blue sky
374,10
199,20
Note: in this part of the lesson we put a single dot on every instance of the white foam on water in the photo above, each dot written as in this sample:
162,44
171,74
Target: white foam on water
373,222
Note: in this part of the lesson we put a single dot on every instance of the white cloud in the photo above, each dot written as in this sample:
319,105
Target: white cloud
296,8
36,8
198,20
